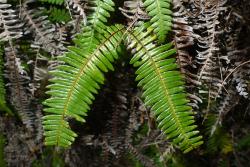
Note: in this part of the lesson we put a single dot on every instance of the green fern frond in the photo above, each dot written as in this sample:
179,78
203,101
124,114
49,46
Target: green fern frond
3,106
100,9
58,15
55,2
76,81
163,88
161,19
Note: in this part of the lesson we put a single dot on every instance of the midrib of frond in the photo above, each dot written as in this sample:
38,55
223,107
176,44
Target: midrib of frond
78,76
164,86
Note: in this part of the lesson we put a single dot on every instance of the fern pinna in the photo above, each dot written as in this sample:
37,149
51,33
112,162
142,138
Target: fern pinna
75,82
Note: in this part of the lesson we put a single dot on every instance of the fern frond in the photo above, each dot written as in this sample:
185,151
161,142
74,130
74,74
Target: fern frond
58,15
76,81
225,105
10,27
77,7
209,58
41,28
19,95
146,161
39,125
163,88
184,38
161,19
101,11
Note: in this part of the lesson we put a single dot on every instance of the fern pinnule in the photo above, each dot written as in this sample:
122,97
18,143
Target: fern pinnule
75,82
163,88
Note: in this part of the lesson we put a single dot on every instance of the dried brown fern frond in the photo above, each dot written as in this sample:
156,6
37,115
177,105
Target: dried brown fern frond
210,72
10,26
184,37
43,31
241,79
115,131
235,59
18,78
20,147
226,104
77,7
146,161
38,135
